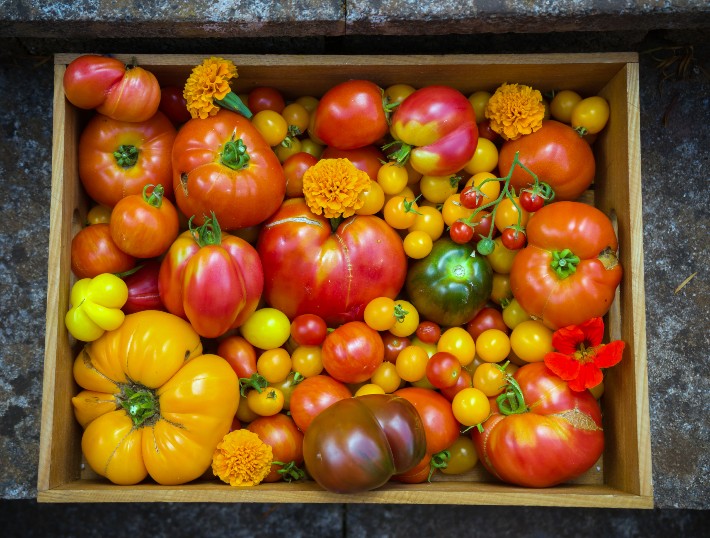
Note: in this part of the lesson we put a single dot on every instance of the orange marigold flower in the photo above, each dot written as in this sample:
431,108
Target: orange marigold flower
515,110
208,82
242,459
332,188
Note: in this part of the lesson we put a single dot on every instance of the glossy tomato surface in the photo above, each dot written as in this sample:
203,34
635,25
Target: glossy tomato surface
223,165
352,352
313,395
285,439
309,269
558,438
556,154
451,284
440,425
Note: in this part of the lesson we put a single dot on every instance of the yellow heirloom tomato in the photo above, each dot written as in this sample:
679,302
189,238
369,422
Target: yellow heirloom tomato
171,404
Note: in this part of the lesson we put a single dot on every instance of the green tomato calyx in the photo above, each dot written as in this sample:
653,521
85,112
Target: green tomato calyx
126,156
564,263
141,404
234,154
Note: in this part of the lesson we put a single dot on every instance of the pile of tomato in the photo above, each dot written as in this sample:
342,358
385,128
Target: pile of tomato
381,347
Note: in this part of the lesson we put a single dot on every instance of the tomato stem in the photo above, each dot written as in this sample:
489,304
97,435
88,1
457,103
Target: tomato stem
511,400
256,381
155,198
126,155
232,102
564,263
401,155
208,234
234,154
141,405
440,460
290,471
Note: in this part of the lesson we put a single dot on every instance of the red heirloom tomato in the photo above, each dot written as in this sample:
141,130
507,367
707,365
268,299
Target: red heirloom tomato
439,123
569,271
350,115
124,93
223,165
310,270
118,158
358,444
556,154
143,288
314,394
369,159
440,425
554,435
286,442
94,252
212,279
352,352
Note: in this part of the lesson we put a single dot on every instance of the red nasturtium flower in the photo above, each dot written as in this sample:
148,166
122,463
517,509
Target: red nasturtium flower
580,354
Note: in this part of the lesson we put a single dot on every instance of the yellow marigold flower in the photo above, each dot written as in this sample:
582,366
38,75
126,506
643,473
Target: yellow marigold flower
208,88
332,188
242,459
515,110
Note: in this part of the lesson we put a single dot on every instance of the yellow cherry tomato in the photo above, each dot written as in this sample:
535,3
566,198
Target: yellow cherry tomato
437,189
379,313
271,125
531,341
308,102
274,364
397,93
307,360
493,345
386,377
485,158
452,210
487,183
508,213
392,177
400,212
99,214
409,321
429,220
373,198
411,363
590,115
458,342
479,102
296,115
369,388
266,403
471,406
563,104
501,259
417,244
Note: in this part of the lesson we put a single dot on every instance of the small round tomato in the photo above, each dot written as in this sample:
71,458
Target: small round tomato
531,201
462,456
429,332
417,244
485,158
487,183
487,318
312,147
437,189
240,355
265,98
369,388
428,220
373,199
93,252
500,289
289,147
514,314
411,363
407,319
308,102
453,210
307,360
296,115
531,341
489,378
509,213
274,364
386,377
440,424
308,330
590,115
266,402
460,232
458,342
479,102
493,345
513,239
352,352
471,406
443,369
266,328
99,214
396,93
286,442
393,345
464,381
400,212
563,104
470,197
271,125
173,104
501,259
313,395
392,177
379,313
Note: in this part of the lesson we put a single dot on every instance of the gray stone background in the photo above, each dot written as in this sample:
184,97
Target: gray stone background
675,140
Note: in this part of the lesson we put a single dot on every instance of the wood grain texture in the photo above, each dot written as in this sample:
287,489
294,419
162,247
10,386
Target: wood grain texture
622,480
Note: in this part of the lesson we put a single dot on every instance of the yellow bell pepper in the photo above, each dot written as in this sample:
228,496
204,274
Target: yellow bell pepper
152,403
96,306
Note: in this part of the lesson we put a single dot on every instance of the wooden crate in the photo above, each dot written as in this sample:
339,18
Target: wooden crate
624,478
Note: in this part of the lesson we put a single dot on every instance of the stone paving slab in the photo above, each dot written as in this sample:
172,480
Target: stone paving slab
268,18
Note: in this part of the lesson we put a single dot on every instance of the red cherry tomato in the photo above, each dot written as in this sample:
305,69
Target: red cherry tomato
471,198
240,355
429,332
294,168
308,330
513,239
461,232
352,352
487,318
443,370
265,98
531,202
393,345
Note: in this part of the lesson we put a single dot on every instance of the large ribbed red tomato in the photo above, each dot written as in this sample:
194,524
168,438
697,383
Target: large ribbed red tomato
554,436
222,165
309,269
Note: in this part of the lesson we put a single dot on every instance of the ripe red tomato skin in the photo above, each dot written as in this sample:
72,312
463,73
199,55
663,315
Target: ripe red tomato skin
441,427
530,202
202,184
107,182
285,439
366,260
393,345
350,115
513,239
313,395
587,293
487,318
93,252
443,370
294,168
429,332
88,78
464,381
143,291
369,159
134,98
174,105
560,451
240,355
569,172
308,330
265,98
352,352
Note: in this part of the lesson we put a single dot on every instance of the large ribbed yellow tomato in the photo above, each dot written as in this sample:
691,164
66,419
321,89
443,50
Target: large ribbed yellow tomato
152,404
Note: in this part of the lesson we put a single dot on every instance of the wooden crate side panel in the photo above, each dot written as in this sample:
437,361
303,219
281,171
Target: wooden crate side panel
59,440
619,194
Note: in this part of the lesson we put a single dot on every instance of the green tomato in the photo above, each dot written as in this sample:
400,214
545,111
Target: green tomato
267,328
451,284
